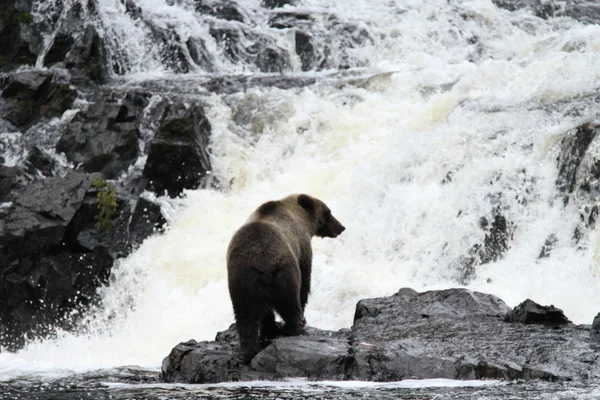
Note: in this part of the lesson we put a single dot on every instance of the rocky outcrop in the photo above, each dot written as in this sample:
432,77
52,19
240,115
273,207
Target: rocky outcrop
322,41
453,334
32,95
77,45
177,155
44,274
20,41
58,242
582,10
104,137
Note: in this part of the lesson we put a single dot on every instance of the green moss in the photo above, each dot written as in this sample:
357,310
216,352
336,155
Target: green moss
107,203
25,18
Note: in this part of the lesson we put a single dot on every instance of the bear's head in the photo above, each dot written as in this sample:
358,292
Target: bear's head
325,224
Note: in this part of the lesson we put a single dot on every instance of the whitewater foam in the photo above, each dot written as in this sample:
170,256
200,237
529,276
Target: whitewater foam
444,133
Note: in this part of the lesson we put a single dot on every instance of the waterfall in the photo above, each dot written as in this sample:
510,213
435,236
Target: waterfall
433,130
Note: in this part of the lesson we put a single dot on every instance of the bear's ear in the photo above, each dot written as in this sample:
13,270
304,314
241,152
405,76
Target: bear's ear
306,202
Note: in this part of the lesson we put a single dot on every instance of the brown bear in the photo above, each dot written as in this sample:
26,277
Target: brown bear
269,262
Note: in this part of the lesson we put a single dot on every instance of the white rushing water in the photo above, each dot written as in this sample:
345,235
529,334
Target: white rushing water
460,88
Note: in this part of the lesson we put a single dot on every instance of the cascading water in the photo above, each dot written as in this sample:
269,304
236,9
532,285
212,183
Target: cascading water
451,114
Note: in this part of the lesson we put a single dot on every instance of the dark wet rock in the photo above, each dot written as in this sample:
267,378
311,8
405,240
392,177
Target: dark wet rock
45,273
65,36
88,232
321,355
226,10
32,95
199,54
262,50
277,3
78,46
305,49
572,150
8,181
40,162
126,231
548,246
40,215
61,44
318,356
104,138
578,179
595,331
529,312
134,11
20,40
453,334
584,11
88,57
233,84
495,245
177,156
460,334
55,251
171,48
322,41
146,220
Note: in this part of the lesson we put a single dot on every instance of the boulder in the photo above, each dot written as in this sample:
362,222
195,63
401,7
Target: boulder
584,11
35,94
58,242
241,44
104,138
595,331
322,41
78,46
321,355
452,334
277,3
146,221
495,244
529,312
44,273
572,151
225,10
20,40
177,155
39,162
199,54
9,180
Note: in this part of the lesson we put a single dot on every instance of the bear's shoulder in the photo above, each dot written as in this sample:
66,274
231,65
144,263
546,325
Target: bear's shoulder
268,208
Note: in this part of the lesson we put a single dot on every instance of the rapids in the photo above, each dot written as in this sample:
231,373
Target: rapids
450,111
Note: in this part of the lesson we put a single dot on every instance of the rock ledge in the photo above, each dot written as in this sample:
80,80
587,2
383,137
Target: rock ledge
453,334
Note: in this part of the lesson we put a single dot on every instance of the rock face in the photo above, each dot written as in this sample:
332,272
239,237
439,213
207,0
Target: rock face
78,46
43,270
19,41
31,95
453,334
177,157
104,138
54,253
582,10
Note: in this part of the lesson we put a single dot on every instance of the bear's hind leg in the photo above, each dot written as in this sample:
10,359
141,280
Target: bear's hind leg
286,301
248,332
269,329
247,318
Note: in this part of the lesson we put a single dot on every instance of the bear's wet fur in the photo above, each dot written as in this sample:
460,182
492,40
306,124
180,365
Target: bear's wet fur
269,262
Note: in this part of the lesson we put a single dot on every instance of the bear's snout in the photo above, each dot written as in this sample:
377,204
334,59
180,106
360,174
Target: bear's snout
332,229
340,228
